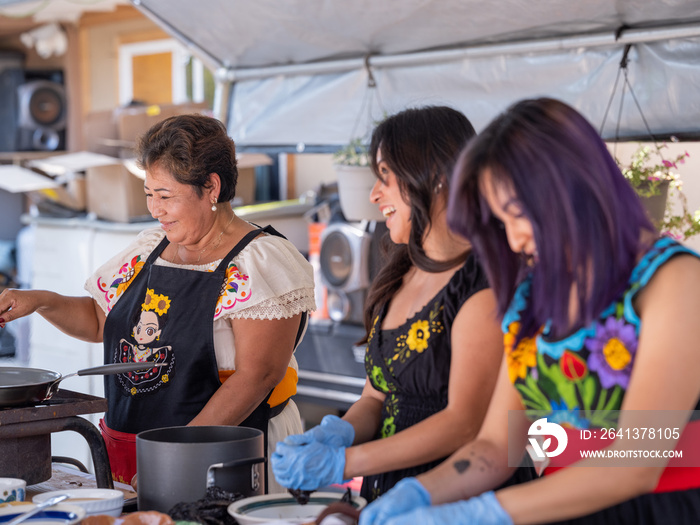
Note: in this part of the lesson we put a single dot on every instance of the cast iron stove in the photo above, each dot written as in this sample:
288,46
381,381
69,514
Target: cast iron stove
25,436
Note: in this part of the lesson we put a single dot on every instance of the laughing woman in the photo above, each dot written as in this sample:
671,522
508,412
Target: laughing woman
433,345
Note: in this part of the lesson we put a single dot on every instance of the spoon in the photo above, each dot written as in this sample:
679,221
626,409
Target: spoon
39,507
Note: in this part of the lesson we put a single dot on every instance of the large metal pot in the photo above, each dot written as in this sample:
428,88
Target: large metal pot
20,386
177,464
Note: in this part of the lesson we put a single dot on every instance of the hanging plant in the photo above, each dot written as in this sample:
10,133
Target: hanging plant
355,153
652,176
355,181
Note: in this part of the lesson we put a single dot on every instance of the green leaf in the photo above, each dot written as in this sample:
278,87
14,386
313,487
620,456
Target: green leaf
534,387
535,406
566,389
548,387
587,389
614,401
533,399
619,310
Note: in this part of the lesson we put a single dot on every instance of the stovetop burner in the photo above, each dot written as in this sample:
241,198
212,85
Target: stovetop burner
25,436
64,403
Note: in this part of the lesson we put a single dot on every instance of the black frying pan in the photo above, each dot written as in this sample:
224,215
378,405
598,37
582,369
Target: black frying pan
27,386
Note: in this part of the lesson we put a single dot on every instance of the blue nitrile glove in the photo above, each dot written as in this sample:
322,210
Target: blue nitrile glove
480,510
308,467
332,431
406,496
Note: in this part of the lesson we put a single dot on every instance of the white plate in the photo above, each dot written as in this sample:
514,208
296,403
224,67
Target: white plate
94,501
61,514
274,507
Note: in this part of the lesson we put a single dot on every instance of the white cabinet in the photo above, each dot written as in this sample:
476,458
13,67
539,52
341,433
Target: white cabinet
65,253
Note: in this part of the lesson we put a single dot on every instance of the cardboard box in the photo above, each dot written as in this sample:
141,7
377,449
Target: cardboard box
71,194
100,133
114,193
110,190
67,189
134,121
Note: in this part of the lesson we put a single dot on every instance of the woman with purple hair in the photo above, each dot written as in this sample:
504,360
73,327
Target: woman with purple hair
599,315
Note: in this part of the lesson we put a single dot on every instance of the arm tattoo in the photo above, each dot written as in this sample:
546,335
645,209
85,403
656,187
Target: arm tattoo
461,465
482,463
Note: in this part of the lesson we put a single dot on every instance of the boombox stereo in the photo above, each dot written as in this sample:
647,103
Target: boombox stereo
42,115
349,259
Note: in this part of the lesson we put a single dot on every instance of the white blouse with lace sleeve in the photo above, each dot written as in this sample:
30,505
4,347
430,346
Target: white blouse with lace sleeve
268,279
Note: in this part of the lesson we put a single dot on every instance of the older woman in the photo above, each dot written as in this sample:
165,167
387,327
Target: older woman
206,293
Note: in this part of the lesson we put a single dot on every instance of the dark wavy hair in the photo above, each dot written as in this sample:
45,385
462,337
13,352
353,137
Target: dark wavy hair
191,148
586,218
421,146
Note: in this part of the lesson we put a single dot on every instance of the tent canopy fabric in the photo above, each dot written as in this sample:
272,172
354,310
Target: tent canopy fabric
308,73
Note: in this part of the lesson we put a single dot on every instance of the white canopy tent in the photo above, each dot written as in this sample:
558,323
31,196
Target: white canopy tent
297,73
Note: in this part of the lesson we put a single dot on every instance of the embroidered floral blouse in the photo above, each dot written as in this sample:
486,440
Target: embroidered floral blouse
269,279
578,379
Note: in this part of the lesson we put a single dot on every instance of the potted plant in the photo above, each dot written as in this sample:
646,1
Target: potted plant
355,181
660,189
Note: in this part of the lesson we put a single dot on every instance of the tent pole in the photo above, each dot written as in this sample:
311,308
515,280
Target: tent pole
628,36
222,99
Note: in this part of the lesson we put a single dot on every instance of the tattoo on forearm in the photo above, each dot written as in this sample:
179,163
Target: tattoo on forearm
478,461
462,465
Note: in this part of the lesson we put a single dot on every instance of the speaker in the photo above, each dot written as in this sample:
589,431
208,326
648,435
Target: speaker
349,260
42,115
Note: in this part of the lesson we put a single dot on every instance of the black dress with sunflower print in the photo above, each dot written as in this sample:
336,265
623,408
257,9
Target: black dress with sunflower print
411,366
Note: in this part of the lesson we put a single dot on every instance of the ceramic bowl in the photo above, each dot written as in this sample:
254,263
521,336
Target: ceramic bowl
61,514
271,507
94,501
12,489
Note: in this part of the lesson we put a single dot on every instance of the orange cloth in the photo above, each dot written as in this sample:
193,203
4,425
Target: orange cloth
283,391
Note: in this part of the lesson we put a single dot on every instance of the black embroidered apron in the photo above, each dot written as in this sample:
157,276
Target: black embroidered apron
166,316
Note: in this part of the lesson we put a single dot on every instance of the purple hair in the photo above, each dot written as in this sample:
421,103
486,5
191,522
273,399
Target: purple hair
587,220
